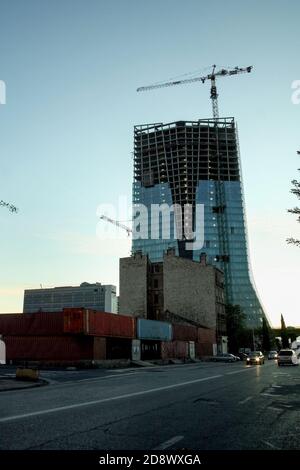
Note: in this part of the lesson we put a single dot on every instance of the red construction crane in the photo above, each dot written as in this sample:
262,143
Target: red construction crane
212,77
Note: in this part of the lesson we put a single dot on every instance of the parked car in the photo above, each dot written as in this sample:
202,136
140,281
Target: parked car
287,357
225,357
272,355
256,357
242,356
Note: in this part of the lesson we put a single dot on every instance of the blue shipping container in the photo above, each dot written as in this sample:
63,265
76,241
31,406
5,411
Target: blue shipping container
152,329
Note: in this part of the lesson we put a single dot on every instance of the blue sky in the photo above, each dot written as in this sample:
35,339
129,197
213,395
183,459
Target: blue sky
71,69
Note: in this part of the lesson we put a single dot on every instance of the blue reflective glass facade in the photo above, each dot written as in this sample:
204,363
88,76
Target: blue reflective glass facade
190,163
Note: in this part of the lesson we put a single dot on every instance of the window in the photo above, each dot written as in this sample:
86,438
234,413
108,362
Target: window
155,283
156,299
232,230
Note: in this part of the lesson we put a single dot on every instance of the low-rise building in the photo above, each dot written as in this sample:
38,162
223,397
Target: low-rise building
94,296
177,289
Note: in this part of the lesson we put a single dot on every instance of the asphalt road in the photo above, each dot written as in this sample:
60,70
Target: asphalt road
198,406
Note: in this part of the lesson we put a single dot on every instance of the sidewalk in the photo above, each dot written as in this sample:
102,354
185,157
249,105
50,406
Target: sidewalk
10,383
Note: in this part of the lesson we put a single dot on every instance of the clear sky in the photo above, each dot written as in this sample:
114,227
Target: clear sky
71,68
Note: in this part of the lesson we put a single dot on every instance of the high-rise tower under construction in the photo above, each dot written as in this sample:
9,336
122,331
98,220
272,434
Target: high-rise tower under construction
197,163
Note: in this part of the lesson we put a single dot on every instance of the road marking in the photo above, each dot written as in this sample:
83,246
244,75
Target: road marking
276,386
274,408
105,400
270,445
244,401
169,443
270,395
238,371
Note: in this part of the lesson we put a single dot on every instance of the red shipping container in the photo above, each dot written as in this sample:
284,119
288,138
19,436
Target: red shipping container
49,348
206,335
174,349
96,323
204,349
42,323
75,320
185,332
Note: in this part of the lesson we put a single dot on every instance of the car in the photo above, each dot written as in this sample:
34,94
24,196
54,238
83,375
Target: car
242,356
272,355
287,357
225,357
256,358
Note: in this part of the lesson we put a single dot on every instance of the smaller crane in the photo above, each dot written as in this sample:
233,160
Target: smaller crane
9,206
212,77
117,223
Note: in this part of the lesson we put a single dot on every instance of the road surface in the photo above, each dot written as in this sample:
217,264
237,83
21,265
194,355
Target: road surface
198,406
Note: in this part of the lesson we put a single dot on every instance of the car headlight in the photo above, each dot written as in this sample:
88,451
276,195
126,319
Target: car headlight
257,359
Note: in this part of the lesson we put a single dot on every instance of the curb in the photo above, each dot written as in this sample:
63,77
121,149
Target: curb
40,383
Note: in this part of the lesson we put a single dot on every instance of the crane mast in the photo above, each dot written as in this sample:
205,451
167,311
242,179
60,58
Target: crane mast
212,77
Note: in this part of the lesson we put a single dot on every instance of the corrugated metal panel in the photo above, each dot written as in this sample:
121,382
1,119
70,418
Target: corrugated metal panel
185,332
154,330
74,320
111,325
204,349
174,349
95,323
206,335
99,348
49,348
50,323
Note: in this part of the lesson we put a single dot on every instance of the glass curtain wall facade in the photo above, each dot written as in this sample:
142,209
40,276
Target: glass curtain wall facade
191,163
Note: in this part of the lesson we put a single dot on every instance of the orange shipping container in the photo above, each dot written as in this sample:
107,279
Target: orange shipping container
90,322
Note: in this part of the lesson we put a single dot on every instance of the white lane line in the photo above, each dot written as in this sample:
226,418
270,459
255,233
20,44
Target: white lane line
270,445
105,400
276,386
93,379
244,401
270,395
274,408
169,443
238,371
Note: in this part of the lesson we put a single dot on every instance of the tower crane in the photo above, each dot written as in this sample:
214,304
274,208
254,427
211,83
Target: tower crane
117,223
9,206
211,76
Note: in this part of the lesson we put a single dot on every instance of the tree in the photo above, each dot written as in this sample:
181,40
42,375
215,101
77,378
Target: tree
284,334
9,206
296,210
266,335
238,335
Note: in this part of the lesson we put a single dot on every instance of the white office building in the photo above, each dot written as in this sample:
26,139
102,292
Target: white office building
94,296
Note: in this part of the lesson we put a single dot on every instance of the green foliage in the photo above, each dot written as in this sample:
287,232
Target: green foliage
284,334
238,335
296,210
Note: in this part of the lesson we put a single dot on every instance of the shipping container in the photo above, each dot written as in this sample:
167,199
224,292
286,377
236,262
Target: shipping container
184,332
90,322
154,330
150,350
206,335
34,324
174,350
204,349
49,348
